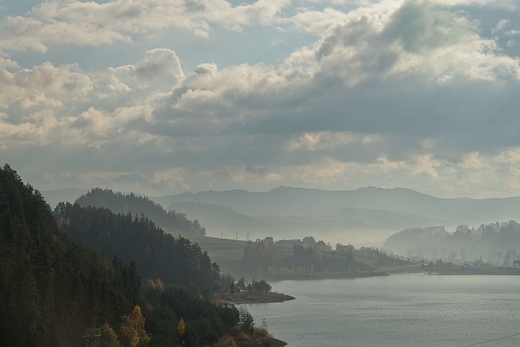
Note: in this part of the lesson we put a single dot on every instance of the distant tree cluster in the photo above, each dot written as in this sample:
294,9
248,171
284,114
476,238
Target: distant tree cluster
124,203
496,243
132,238
305,258
228,284
306,242
259,255
264,259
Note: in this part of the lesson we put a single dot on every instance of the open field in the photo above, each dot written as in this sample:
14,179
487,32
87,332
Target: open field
219,249
223,250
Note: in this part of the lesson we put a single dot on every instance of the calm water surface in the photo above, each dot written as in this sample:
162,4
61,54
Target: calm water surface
418,311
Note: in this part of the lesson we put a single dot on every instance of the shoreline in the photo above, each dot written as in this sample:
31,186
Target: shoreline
477,271
245,297
326,276
254,298
460,272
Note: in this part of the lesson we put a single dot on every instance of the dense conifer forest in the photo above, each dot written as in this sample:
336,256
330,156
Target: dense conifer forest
132,238
52,289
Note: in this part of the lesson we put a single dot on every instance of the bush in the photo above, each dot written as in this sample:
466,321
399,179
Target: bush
261,332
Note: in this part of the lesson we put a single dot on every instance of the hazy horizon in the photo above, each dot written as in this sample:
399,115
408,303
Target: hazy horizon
267,190
363,217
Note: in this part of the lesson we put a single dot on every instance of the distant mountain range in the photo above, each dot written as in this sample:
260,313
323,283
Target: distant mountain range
286,201
364,215
384,219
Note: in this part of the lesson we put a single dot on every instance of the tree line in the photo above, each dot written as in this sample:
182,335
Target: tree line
496,243
264,258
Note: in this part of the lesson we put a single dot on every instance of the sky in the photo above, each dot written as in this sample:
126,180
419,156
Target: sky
166,96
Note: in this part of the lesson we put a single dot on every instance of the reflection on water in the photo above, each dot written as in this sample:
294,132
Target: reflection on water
397,311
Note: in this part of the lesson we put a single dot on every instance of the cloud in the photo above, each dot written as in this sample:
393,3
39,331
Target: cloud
95,24
392,93
510,5
158,71
158,62
329,140
261,170
36,34
48,103
130,178
414,38
314,21
56,82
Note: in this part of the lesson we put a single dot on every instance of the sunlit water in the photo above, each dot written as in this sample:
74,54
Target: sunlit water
415,311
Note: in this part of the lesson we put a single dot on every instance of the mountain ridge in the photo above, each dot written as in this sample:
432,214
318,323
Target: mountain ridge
291,201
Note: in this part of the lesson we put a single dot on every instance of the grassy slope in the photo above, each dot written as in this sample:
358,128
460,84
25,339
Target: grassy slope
219,249
223,250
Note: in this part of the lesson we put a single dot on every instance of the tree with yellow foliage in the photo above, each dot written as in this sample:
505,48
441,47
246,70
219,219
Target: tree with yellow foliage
181,328
132,329
157,285
109,337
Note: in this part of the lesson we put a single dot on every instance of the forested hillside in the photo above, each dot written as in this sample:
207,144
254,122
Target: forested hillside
52,290
120,203
133,238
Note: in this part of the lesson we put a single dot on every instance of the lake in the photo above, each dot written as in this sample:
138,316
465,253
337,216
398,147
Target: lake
414,310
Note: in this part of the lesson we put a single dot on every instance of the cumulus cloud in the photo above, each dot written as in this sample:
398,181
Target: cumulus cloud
314,21
50,103
159,70
36,34
415,37
158,62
